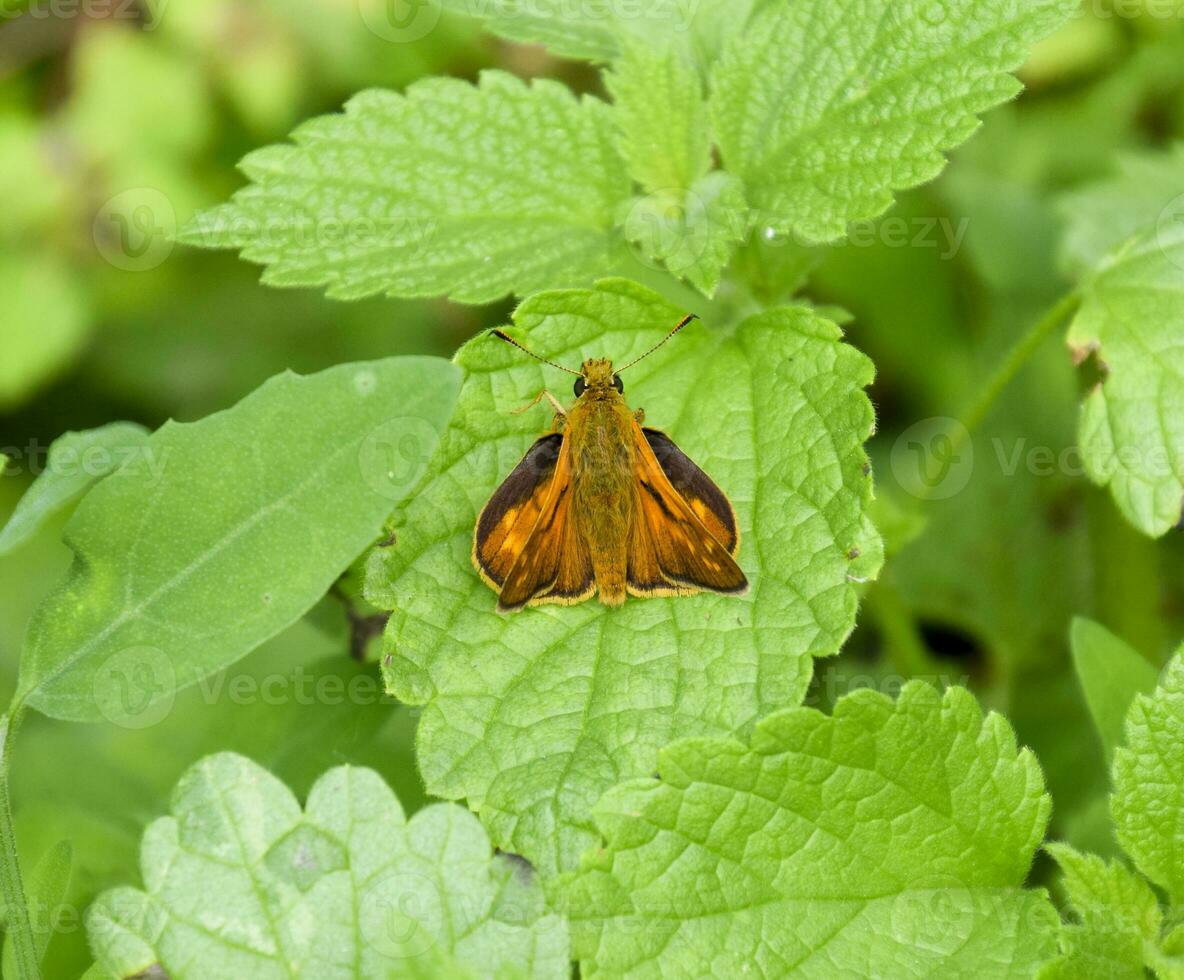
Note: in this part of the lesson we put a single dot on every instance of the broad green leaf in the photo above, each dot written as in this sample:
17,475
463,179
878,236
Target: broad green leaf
1111,673
240,882
885,840
531,717
1132,423
1148,190
573,30
1148,800
473,191
76,461
595,31
661,112
46,891
825,107
245,521
1116,913
43,323
296,706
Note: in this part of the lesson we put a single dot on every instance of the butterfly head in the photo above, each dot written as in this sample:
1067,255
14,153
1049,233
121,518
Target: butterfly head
598,378
596,375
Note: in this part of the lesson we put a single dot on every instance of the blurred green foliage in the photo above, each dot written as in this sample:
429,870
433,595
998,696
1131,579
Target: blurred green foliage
114,129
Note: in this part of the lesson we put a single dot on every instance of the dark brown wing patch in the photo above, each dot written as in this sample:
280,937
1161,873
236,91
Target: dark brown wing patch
675,552
707,500
506,522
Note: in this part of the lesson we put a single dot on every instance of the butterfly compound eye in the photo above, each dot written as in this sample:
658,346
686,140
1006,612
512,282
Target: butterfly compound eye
580,386
618,384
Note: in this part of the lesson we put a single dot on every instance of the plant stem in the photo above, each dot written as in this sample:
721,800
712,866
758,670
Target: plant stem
11,882
1005,373
1017,357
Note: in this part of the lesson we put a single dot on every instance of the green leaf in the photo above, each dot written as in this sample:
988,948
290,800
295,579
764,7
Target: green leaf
1148,189
1117,915
1111,673
532,716
1131,430
691,219
245,520
573,30
1148,800
888,839
43,320
241,882
473,191
46,891
665,128
595,31
693,233
46,192
825,108
76,461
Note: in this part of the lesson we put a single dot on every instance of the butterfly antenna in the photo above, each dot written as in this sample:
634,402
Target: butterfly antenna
510,340
681,323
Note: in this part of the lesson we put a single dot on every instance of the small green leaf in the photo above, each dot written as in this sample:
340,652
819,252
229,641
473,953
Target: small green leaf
573,30
245,520
662,115
1117,915
825,107
1148,800
595,31
76,461
1132,424
450,188
886,840
690,219
240,882
531,717
43,320
46,891
1148,189
691,233
1111,673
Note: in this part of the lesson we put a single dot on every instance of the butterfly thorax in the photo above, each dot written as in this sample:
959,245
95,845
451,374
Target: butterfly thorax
600,427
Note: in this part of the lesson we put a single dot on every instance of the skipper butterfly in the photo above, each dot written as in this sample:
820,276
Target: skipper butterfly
603,505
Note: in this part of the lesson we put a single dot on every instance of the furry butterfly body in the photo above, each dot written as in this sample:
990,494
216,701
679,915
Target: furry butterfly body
602,505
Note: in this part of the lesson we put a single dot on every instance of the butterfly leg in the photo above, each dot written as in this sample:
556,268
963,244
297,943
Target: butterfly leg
640,416
559,409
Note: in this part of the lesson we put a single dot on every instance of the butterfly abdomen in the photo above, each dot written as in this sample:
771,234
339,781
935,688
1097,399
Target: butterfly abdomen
602,469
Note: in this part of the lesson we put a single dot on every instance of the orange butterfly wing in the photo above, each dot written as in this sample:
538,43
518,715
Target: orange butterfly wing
525,545
684,537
